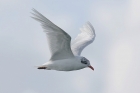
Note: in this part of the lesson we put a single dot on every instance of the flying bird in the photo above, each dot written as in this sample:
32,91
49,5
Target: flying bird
65,56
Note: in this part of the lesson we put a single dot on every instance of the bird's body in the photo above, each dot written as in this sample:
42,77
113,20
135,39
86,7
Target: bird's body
64,64
65,56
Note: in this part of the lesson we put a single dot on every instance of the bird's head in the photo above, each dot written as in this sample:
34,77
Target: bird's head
86,62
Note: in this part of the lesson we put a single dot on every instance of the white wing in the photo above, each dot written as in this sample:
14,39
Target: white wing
58,40
83,39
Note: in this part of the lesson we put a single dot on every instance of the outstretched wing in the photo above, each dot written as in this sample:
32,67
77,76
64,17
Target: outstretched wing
83,39
58,40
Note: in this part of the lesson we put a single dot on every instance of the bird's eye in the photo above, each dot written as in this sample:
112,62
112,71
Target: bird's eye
84,62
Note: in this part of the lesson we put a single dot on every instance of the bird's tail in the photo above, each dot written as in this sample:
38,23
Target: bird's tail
40,67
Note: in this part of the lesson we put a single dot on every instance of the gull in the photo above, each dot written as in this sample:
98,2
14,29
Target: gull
65,56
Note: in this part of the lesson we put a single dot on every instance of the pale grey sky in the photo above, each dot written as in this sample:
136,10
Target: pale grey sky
114,54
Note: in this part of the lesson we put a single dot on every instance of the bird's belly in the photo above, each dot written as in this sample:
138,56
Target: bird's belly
66,65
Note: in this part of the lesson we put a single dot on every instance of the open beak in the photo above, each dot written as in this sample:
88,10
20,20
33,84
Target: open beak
91,67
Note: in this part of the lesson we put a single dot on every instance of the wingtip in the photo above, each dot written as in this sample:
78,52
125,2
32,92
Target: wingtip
88,23
89,27
33,13
33,9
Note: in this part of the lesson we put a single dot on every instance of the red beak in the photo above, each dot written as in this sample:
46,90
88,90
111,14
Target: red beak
91,67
